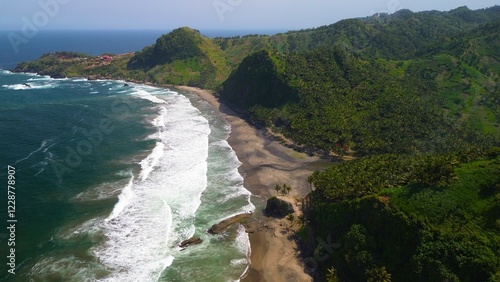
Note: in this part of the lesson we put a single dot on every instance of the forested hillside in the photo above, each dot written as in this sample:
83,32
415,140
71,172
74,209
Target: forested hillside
182,57
416,94
409,218
331,97
328,96
402,35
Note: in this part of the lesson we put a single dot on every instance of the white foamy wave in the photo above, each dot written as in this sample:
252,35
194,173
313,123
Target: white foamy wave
234,188
185,233
236,262
30,86
40,166
137,244
88,229
93,91
102,191
105,81
16,86
242,242
142,236
236,193
143,94
116,85
221,144
79,79
124,199
5,72
40,78
30,74
159,122
152,160
48,157
68,268
48,147
42,146
44,86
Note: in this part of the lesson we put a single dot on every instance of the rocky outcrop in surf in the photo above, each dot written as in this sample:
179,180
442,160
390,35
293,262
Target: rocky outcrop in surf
226,223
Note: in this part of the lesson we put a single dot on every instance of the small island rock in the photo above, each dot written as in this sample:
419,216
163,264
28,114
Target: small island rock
225,224
190,242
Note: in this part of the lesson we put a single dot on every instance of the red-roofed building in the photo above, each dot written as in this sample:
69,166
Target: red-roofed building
106,58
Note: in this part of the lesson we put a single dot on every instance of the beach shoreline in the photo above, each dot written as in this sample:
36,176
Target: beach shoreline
265,163
275,255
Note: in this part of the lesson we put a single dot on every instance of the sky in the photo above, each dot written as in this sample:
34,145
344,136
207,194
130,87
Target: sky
204,14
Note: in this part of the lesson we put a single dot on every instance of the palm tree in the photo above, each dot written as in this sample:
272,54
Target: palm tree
291,218
277,188
378,274
332,276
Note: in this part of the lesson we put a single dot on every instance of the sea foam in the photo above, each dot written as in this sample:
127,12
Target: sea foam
159,206
30,86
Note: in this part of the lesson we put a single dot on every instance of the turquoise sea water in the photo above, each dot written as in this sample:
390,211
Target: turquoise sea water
111,178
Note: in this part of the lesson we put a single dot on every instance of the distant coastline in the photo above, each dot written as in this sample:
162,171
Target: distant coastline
93,42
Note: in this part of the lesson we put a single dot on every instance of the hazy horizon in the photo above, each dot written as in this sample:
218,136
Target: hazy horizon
205,15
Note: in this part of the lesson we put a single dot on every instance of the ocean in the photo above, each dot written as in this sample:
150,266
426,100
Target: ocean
110,178
16,48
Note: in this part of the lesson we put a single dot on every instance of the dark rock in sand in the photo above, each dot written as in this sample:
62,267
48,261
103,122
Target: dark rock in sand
252,226
278,208
225,224
190,242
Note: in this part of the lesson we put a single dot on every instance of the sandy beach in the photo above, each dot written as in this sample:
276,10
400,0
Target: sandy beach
265,163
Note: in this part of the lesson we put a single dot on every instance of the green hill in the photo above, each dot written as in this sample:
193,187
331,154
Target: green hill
469,74
402,35
331,97
180,44
259,80
342,95
415,218
182,57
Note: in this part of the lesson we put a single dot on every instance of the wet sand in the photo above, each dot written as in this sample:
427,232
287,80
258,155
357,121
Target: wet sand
265,163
